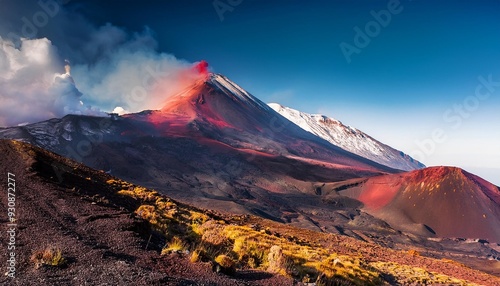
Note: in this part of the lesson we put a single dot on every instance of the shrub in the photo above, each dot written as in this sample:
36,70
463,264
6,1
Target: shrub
353,269
249,252
48,257
413,252
198,218
148,212
175,245
213,233
324,280
224,264
196,256
203,253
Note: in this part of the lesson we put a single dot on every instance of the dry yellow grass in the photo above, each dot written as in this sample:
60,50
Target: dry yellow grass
306,259
225,261
417,276
214,238
175,245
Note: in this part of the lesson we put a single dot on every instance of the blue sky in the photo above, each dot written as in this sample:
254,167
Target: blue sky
422,66
414,71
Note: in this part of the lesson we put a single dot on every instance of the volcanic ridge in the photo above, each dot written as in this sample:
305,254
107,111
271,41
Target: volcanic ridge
216,147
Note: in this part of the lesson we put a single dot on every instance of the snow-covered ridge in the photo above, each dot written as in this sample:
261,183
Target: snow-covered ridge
348,138
229,87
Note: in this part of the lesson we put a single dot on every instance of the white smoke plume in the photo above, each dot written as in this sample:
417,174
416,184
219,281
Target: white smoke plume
112,70
132,75
31,89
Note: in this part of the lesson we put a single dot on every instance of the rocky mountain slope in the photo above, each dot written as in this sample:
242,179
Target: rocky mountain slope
349,138
440,201
212,145
216,146
109,231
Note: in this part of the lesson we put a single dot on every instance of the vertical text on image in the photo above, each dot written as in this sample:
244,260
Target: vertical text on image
11,225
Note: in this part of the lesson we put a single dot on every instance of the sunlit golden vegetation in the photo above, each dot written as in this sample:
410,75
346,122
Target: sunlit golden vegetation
236,245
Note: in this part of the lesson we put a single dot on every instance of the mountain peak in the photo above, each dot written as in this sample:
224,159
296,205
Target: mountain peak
348,138
217,108
212,96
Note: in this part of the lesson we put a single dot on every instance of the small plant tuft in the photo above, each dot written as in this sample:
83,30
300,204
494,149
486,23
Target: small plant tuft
195,256
175,245
413,252
224,264
48,257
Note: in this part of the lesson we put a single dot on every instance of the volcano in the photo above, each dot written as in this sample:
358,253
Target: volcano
216,108
215,146
218,147
440,201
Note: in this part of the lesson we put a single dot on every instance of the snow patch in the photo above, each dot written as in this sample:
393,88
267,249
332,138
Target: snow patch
348,138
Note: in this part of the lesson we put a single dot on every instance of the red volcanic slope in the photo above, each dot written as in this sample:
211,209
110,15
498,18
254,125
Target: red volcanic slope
449,201
214,107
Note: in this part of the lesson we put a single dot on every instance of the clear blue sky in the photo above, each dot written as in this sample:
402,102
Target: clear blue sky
414,71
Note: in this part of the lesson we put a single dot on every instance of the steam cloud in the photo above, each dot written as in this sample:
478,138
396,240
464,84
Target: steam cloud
30,87
111,70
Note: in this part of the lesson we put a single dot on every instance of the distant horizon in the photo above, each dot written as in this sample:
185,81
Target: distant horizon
419,76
